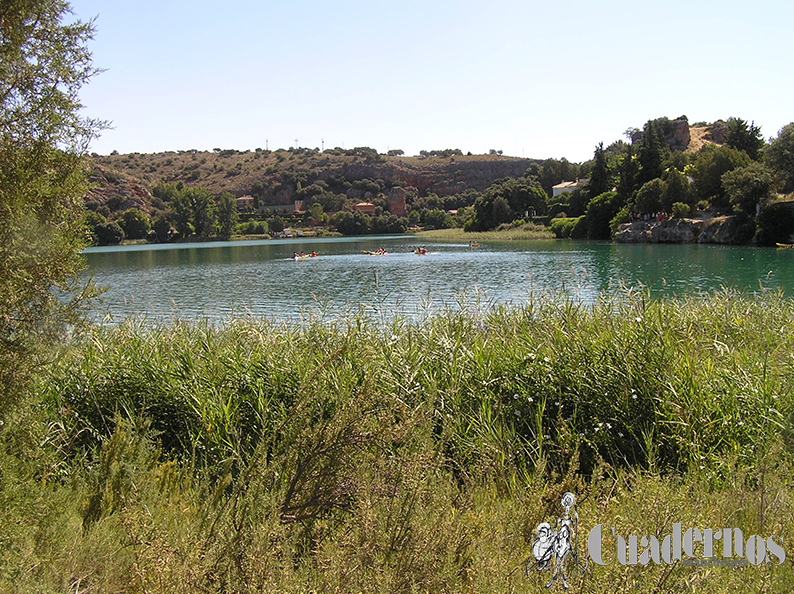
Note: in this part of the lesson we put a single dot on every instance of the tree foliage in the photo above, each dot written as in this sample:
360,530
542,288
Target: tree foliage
599,176
744,137
135,224
779,157
653,150
747,187
43,65
677,190
194,210
506,200
650,197
227,214
712,162
775,224
600,211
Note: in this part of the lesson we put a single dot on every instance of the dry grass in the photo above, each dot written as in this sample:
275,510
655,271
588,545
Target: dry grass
697,138
414,457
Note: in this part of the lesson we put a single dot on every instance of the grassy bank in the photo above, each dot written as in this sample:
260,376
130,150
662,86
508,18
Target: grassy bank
350,457
526,232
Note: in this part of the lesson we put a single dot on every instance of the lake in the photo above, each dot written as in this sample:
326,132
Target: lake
217,280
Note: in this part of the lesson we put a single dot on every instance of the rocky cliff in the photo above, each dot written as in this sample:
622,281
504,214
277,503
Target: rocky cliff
723,230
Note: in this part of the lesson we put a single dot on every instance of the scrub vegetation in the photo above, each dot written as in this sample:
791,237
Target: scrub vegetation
371,453
400,456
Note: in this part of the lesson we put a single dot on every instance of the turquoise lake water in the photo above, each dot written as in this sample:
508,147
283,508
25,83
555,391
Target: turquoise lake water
217,280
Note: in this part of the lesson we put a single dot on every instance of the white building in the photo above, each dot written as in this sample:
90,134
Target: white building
566,186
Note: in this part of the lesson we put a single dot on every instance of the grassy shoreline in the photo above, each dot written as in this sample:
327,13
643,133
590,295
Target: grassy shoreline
527,232
348,456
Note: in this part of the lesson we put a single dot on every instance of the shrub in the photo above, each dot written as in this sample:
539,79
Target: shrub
134,223
569,228
600,211
775,223
680,210
109,233
619,219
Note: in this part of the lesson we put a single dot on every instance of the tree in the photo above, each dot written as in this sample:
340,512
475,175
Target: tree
134,223
599,176
600,211
43,137
651,155
650,196
109,233
712,163
348,223
779,157
316,212
508,199
745,138
775,224
195,212
677,190
276,224
627,171
748,187
161,228
435,218
227,214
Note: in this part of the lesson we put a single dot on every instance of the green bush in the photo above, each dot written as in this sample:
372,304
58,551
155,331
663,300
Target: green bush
109,233
600,211
623,216
134,223
565,228
775,223
680,210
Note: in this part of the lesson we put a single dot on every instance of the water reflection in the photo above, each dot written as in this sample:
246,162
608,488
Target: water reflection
216,280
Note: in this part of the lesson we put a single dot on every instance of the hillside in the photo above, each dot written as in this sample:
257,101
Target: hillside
276,176
123,181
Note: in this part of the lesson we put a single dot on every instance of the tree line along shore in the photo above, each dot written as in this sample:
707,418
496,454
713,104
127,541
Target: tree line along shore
669,168
350,455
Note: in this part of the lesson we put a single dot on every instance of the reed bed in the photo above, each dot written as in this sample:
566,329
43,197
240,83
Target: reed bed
357,455
525,232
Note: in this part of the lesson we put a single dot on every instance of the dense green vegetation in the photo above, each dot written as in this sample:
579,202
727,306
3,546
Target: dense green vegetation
399,456
43,64
726,168
365,454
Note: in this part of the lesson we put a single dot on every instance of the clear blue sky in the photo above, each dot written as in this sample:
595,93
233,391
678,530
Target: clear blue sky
534,79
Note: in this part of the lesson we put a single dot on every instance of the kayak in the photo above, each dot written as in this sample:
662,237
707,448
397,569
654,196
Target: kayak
474,244
420,252
785,245
368,253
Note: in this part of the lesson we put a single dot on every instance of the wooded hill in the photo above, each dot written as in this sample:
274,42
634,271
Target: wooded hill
668,168
124,181
278,177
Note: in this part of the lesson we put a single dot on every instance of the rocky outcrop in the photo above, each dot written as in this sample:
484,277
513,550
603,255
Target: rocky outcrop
397,197
678,136
116,190
723,230
718,132
676,133
672,231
